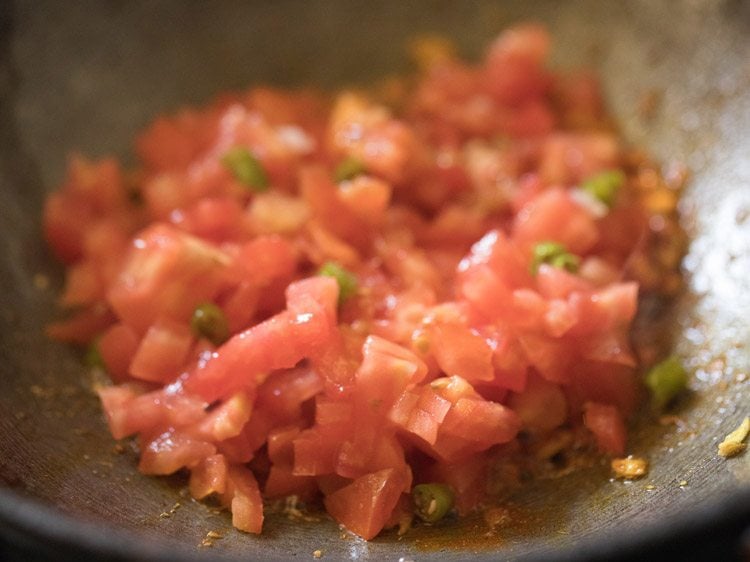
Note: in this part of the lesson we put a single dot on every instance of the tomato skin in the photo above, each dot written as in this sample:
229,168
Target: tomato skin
365,505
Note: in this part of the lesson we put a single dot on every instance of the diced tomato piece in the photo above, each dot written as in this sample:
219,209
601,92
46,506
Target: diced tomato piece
321,194
420,413
281,444
283,393
213,218
228,418
130,410
481,421
514,64
208,477
612,307
83,285
367,197
461,351
557,283
82,326
316,450
170,451
606,423
508,359
331,412
162,352
386,146
239,449
387,370
117,346
606,383
542,406
552,358
167,273
569,158
282,482
174,142
278,343
366,504
466,477
266,258
555,216
241,305
244,500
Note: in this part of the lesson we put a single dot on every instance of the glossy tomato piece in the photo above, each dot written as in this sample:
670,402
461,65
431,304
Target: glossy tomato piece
168,273
365,505
606,424
278,343
208,477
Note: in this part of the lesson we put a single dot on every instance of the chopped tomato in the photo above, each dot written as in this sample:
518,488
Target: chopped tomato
365,505
606,423
482,287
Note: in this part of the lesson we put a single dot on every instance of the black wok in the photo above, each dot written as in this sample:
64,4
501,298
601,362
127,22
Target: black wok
87,75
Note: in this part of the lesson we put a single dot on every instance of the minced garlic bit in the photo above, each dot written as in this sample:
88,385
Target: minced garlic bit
213,535
171,512
733,443
630,467
209,539
317,553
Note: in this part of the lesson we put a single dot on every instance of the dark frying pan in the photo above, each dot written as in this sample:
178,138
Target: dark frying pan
87,75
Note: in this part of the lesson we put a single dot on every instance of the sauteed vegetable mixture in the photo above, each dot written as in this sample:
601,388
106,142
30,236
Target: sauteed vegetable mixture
370,298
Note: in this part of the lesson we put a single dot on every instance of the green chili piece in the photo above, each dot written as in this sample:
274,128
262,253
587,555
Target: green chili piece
346,280
348,169
604,186
556,255
666,380
246,168
209,322
432,502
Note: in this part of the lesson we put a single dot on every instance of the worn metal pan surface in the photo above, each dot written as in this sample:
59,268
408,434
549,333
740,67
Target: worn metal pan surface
87,75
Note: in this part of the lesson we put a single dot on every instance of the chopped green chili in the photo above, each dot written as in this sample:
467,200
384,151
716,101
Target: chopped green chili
604,186
432,502
346,280
666,380
209,322
554,254
246,168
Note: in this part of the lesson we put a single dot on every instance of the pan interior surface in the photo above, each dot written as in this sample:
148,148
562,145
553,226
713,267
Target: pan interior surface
88,75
